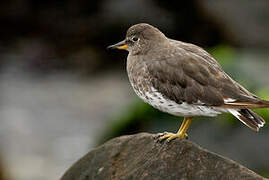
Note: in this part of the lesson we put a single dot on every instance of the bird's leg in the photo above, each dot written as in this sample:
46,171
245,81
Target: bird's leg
181,133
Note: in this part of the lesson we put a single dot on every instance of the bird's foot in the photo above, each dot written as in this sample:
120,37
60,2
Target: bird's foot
171,136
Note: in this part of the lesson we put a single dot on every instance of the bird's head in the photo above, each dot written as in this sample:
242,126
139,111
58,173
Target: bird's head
140,38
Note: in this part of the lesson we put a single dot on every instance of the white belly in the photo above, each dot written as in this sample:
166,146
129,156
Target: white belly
158,101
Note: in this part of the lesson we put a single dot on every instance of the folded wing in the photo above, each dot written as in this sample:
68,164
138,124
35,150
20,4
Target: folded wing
193,77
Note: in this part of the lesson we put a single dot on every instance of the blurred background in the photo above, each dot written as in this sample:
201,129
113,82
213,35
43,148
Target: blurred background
62,93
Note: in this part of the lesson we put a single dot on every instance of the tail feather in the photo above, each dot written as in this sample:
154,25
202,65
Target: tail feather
265,102
249,118
246,105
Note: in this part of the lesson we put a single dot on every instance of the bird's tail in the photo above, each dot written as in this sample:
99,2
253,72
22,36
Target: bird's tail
266,103
249,118
247,105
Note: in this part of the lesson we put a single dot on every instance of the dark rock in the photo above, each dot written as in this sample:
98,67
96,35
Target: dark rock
142,156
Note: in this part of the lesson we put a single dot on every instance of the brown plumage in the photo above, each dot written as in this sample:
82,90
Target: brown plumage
184,76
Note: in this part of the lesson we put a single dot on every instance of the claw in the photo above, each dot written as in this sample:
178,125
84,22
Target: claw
171,136
181,132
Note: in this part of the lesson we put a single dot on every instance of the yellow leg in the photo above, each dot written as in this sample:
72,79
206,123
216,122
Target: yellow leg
181,133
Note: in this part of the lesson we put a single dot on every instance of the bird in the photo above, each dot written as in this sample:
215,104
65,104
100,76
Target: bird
184,80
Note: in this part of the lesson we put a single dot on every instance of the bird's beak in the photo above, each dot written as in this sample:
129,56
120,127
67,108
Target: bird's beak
120,45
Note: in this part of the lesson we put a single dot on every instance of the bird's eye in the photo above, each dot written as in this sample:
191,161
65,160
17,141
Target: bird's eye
135,39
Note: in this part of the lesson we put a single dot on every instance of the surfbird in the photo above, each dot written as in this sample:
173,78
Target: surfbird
183,79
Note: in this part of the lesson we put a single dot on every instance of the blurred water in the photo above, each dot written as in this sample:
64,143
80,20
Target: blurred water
49,123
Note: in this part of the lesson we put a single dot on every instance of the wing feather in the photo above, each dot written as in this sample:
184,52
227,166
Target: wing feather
196,77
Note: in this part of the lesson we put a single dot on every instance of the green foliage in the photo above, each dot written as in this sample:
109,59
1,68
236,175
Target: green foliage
264,173
227,121
224,54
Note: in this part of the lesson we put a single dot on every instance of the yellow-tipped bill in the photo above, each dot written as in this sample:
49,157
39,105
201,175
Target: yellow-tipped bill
121,45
